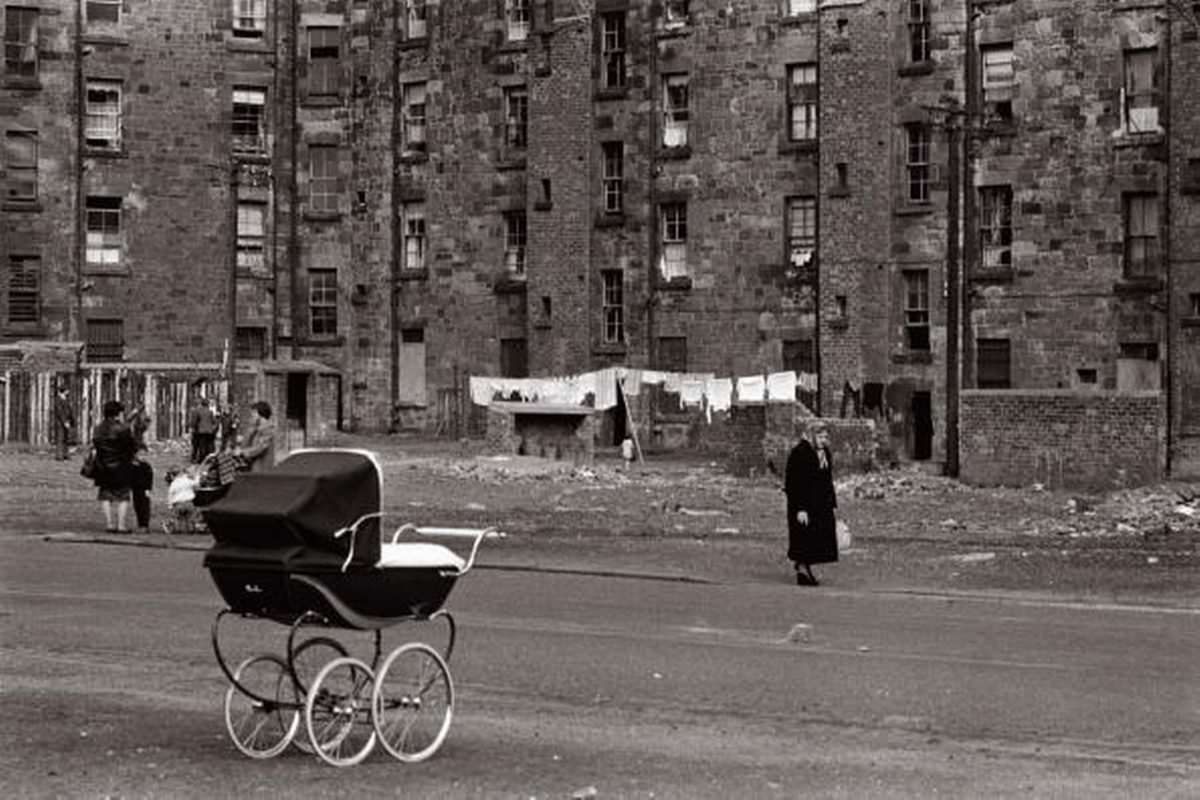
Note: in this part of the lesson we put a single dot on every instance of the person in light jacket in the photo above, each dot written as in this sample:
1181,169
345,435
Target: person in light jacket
811,505
258,440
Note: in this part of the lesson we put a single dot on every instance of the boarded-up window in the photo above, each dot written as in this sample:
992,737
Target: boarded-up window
1138,367
412,389
21,166
23,290
100,11
999,81
672,354
993,363
104,340
514,358
324,61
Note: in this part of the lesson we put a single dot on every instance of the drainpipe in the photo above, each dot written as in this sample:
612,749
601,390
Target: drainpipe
393,297
275,91
1170,321
820,393
293,183
953,291
231,254
75,325
652,200
970,225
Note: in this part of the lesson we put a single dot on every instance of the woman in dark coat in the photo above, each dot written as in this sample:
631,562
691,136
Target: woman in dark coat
115,474
811,505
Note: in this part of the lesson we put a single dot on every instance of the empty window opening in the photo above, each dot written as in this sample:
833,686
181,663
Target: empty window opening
993,363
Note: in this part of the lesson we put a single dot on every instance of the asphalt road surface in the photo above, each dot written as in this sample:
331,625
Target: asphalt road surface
595,685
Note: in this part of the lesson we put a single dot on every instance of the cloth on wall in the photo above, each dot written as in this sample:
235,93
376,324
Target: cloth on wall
781,385
751,388
691,391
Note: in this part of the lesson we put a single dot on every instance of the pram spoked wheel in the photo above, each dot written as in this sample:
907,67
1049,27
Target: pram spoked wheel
337,712
259,719
413,702
307,662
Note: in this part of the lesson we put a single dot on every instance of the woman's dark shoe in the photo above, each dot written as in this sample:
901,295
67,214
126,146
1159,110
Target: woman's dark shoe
804,580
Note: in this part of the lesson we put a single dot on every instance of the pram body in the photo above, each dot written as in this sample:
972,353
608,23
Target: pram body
300,544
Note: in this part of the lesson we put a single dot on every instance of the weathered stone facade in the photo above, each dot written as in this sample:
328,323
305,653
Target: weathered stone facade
434,190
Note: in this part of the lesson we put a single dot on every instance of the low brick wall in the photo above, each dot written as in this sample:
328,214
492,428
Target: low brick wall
1082,440
566,437
752,434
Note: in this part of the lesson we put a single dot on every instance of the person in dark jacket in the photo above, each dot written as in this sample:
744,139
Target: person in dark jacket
64,423
116,450
811,505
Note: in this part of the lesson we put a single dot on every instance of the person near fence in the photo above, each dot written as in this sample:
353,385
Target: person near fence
202,422
115,474
227,421
64,424
811,505
138,421
258,442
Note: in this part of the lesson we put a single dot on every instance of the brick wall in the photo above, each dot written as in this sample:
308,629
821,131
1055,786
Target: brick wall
1098,440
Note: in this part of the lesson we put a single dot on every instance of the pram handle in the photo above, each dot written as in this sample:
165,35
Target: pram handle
477,534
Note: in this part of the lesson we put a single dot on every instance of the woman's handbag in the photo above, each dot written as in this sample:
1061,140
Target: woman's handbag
88,469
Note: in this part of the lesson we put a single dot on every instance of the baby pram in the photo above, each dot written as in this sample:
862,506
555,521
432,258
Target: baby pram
300,544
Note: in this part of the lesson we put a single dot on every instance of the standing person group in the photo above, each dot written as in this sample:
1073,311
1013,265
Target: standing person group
811,505
202,422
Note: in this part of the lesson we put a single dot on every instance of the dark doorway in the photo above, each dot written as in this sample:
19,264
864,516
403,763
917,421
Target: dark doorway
922,426
619,419
514,358
297,400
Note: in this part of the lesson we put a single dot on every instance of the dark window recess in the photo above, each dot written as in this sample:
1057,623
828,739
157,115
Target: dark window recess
1144,351
104,340
251,342
412,335
24,289
1087,376
994,363
672,354
514,358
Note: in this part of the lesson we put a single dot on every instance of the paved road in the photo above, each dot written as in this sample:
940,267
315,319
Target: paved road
635,687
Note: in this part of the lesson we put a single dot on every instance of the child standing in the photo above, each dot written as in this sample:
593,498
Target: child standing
181,497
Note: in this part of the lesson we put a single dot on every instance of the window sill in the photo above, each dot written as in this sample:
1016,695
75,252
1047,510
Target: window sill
22,206
104,40
322,216
414,274
912,209
912,357
100,152
419,43
410,156
510,164
796,20
839,324
108,271
542,205
839,47
678,284
610,348
916,68
839,191
248,44
509,284
22,84
998,128
1140,285
1148,139
320,341
252,158
607,220
802,146
612,93
680,153
993,275
674,31
253,274
321,101
26,330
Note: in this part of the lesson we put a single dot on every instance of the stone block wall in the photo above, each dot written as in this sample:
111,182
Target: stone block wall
1088,440
565,437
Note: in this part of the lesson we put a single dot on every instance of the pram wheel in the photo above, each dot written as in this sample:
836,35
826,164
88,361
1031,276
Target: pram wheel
307,662
263,725
413,702
337,712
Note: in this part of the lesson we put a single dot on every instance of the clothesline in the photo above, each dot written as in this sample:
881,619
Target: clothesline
694,388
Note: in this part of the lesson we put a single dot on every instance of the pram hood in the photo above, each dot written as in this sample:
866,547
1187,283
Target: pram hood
292,512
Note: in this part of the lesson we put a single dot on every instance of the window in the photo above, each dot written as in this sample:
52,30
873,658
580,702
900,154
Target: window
1141,91
802,234
612,49
413,230
322,302
416,19
613,306
251,236
672,354
916,163
249,120
104,10
916,309
995,226
675,110
250,342
411,369
514,358
324,62
992,358
516,18
1142,258
673,259
414,116
802,102
249,18
102,128
918,31
613,177
1194,304
514,242
323,180
675,13
104,340
24,289
516,117
21,166
20,41
797,7
104,240
998,81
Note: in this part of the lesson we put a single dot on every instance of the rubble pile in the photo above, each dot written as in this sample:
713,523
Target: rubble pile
893,483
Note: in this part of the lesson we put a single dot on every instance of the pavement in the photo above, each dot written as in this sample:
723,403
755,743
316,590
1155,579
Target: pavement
679,518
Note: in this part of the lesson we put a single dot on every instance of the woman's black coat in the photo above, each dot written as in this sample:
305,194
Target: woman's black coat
115,450
810,488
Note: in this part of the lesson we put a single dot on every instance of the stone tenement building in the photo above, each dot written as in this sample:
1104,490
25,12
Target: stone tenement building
413,192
